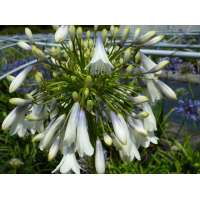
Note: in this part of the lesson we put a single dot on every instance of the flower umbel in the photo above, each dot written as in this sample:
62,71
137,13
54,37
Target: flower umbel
92,98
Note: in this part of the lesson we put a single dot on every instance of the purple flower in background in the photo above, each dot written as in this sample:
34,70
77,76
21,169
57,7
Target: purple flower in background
189,108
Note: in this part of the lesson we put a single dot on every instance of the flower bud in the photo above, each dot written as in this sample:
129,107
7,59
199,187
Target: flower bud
88,81
137,34
86,93
125,33
116,31
90,105
99,158
107,139
38,76
154,40
127,55
146,37
140,99
88,34
129,69
104,35
10,78
24,45
38,137
159,66
55,27
137,57
28,33
54,149
19,101
72,32
61,34
15,162
38,52
142,115
75,96
91,43
112,29
79,32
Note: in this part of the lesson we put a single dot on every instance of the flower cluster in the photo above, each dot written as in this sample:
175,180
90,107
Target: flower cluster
99,94
189,108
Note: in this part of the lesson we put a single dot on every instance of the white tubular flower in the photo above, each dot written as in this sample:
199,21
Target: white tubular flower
129,151
153,91
15,116
70,133
150,121
50,132
54,149
38,112
19,101
24,45
100,63
99,158
137,125
166,90
139,99
83,144
28,33
19,79
120,127
61,34
68,163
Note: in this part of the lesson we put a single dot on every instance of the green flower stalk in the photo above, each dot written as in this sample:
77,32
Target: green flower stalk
99,94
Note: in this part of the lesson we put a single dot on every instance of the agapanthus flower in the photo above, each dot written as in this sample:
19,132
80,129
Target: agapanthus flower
94,96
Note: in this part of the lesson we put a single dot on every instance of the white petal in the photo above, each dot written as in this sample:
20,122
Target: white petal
166,90
24,45
70,133
83,144
153,91
99,158
54,149
50,132
120,127
19,79
61,33
100,63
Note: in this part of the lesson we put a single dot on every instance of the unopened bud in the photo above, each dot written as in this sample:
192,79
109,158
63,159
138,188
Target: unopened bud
142,115
116,31
15,162
19,101
137,34
86,93
88,35
90,105
75,96
146,37
38,52
104,35
137,57
38,76
88,81
129,69
28,33
54,149
10,78
38,137
127,55
140,99
72,32
125,33
107,139
79,32
154,40
24,45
